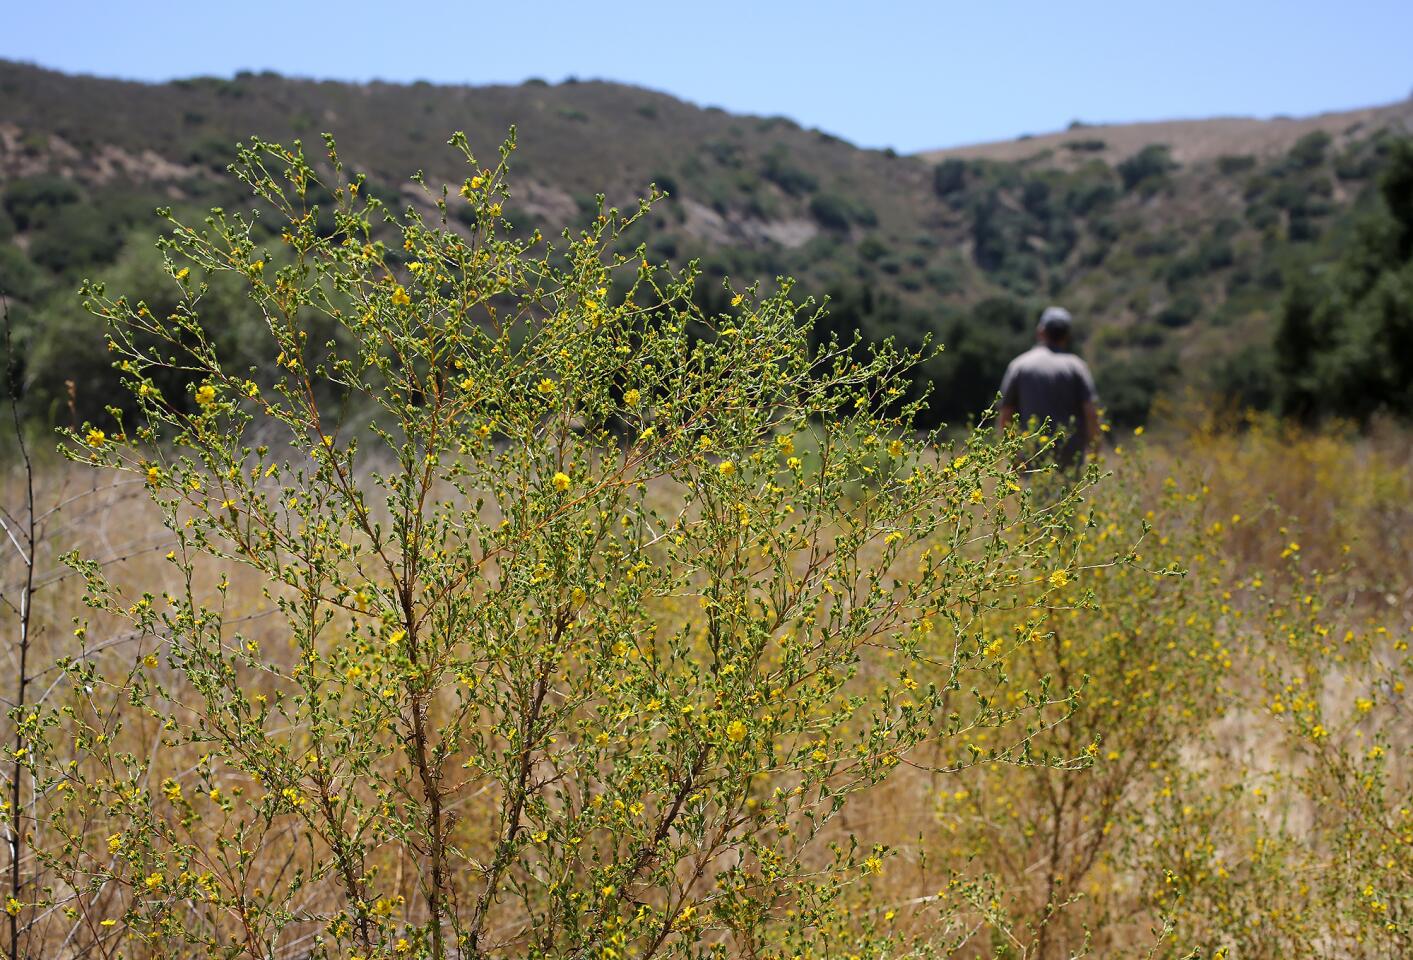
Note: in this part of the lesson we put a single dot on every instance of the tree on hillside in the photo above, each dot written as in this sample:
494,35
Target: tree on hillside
1344,345
1147,168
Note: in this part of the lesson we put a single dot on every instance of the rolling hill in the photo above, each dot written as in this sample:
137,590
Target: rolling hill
1173,243
1191,141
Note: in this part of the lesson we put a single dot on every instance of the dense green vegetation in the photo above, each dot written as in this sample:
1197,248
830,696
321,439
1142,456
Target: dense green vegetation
1183,277
1346,336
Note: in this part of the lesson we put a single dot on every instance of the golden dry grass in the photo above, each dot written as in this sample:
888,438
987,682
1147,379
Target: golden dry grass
1171,792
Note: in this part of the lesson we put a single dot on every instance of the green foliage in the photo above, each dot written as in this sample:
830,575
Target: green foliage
1231,164
19,278
831,212
1182,311
1345,341
33,201
872,249
76,236
949,177
1092,192
1147,168
979,345
1067,227
1129,385
780,171
1247,378
66,360
1309,151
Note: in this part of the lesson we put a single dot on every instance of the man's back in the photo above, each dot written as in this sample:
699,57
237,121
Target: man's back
1046,383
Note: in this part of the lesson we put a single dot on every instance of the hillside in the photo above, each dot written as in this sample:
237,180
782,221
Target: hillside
1191,141
1173,243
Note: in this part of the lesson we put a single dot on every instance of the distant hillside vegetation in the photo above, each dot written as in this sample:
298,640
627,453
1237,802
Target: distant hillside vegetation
1174,256
1191,141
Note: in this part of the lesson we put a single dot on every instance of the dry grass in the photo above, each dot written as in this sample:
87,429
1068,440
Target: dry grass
1347,499
1192,141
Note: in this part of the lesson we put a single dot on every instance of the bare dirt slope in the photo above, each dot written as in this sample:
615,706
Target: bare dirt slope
1190,140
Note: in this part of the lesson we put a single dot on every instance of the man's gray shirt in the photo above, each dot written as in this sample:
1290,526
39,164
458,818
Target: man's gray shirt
1045,383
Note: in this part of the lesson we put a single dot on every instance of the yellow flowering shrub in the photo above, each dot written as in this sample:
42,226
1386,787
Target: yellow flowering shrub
1243,714
585,617
515,608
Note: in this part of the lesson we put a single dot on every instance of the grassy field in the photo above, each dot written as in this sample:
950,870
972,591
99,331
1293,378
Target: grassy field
1243,728
477,597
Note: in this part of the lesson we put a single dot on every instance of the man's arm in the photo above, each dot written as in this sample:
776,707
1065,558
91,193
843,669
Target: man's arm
1004,417
1089,406
1091,425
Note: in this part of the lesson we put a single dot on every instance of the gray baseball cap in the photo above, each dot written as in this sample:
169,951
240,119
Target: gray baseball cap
1055,320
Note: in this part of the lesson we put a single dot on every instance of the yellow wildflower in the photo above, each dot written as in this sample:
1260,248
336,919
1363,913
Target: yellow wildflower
561,481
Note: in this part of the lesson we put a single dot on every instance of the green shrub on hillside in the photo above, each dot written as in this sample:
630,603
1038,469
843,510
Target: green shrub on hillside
778,169
1231,164
1309,151
949,177
1147,168
33,201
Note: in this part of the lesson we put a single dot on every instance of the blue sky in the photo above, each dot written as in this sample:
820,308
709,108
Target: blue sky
910,75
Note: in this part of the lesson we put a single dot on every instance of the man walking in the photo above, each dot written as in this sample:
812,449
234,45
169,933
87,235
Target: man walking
1047,382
